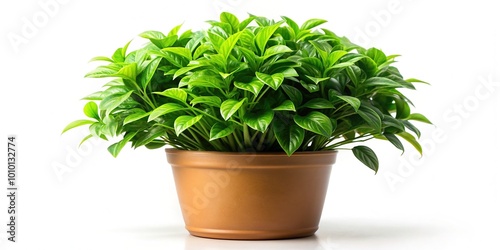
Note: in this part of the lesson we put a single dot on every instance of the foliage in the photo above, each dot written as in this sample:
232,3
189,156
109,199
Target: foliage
251,85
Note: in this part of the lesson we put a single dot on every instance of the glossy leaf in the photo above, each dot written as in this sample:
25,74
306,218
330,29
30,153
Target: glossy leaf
259,120
135,116
293,93
164,109
228,45
311,23
115,148
274,81
213,101
371,117
318,103
90,110
289,136
276,50
77,123
221,130
287,105
366,155
395,141
353,101
184,122
229,107
111,102
418,117
264,35
254,85
176,94
411,139
315,122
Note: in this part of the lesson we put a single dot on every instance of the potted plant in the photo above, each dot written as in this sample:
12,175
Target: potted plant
253,113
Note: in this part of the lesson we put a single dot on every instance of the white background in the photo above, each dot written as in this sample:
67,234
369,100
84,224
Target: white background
449,199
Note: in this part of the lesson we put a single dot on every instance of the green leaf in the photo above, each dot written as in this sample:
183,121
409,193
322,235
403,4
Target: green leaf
245,23
276,50
371,117
310,87
175,30
159,39
220,130
254,85
263,36
128,72
259,120
77,123
206,78
117,147
274,81
402,108
90,110
416,80
136,115
184,70
213,101
85,139
287,105
376,55
184,122
411,127
174,93
164,109
148,73
335,56
366,155
201,50
111,102
381,82
147,136
393,122
315,122
229,107
228,45
230,19
317,80
418,117
293,93
411,139
104,71
353,101
318,103
292,25
101,58
155,144
311,23
289,136
180,51
395,141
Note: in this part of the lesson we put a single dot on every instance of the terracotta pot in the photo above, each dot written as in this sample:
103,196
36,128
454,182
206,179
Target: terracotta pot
251,195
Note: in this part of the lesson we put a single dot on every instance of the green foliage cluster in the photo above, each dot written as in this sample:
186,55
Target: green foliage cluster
251,85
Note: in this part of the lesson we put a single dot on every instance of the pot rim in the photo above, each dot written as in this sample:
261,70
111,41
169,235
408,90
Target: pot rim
264,153
245,160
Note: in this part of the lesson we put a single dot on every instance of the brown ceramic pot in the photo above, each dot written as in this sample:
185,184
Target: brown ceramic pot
251,195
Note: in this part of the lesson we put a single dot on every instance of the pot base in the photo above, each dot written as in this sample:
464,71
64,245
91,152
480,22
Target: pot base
250,234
